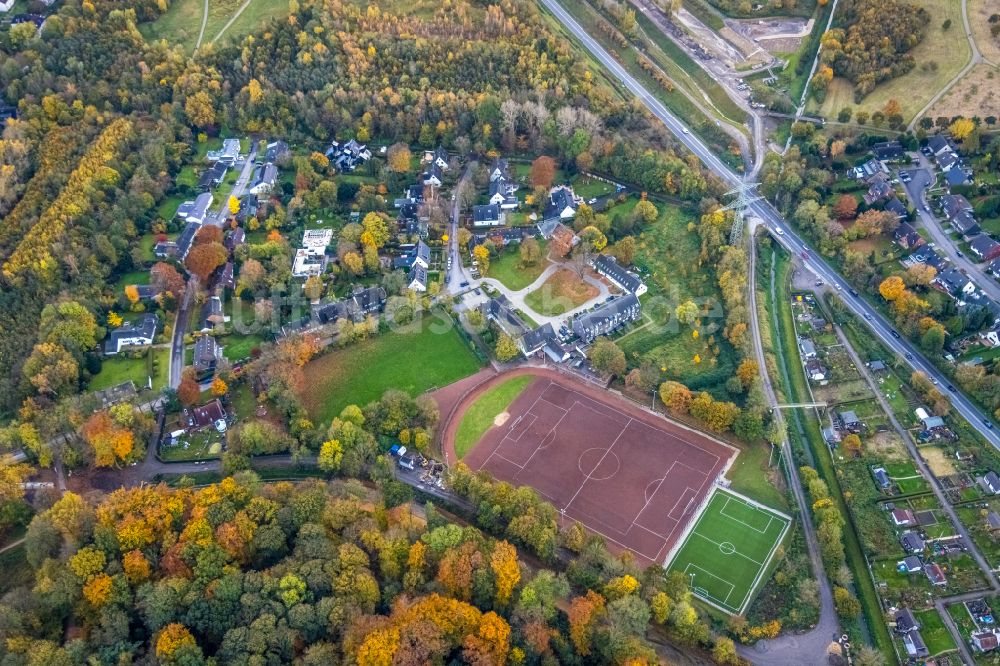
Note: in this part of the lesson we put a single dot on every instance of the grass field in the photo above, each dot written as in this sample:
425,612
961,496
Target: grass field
728,550
561,292
16,569
948,48
478,419
975,94
428,354
934,633
181,23
507,269
120,369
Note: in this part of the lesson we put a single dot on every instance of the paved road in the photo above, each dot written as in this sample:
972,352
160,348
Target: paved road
922,178
457,275
784,234
184,311
792,649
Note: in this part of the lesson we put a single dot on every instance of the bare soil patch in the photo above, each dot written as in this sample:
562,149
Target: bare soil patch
939,462
975,94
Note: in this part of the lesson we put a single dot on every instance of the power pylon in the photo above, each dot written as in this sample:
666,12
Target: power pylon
745,198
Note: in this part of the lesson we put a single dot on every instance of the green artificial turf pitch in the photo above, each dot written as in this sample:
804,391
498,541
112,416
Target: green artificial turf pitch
727,552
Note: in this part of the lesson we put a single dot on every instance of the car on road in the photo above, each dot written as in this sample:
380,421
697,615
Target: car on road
685,130
868,316
959,253
478,292
894,334
854,293
836,285
819,283
909,356
988,424
927,208
463,284
778,231
951,388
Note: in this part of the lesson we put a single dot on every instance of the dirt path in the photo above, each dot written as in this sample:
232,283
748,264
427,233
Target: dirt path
232,19
204,22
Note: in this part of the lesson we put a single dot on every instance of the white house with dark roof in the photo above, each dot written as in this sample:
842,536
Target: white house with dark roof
502,194
433,176
608,266
562,203
501,169
953,204
264,177
228,154
487,215
207,354
607,318
417,278
990,483
139,333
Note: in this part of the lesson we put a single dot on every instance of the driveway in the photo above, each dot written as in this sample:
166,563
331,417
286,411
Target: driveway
922,178
518,297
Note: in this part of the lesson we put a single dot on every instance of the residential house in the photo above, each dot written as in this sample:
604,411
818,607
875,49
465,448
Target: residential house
882,478
830,436
815,370
348,156
870,169
928,257
986,640
196,211
276,151
933,422
502,194
207,354
186,238
889,151
878,190
501,312
956,176
212,177
907,237
939,144
877,366
164,249
993,521
417,278
990,483
608,266
211,414
954,282
935,574
146,292
433,176
360,304
562,203
226,278
947,161
439,157
807,348
264,177
953,204
139,333
903,518
501,169
536,340
6,6
607,318
910,564
212,314
235,238
914,644
849,421
487,215
994,268
416,254
912,543
897,208
965,223
984,247
228,155
906,621
311,258
501,237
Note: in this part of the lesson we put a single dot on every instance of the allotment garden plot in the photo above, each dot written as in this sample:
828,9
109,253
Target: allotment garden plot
727,552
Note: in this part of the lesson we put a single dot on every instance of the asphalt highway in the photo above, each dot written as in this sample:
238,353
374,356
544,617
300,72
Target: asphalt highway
784,234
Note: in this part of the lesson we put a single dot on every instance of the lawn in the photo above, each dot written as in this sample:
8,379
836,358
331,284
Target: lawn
119,369
427,354
256,13
180,24
204,445
480,416
948,48
238,347
561,292
508,270
729,549
934,633
751,476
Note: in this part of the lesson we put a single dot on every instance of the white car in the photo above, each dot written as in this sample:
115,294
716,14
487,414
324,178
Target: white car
778,231
685,130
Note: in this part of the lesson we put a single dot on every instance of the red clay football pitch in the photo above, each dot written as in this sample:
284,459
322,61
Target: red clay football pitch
633,477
